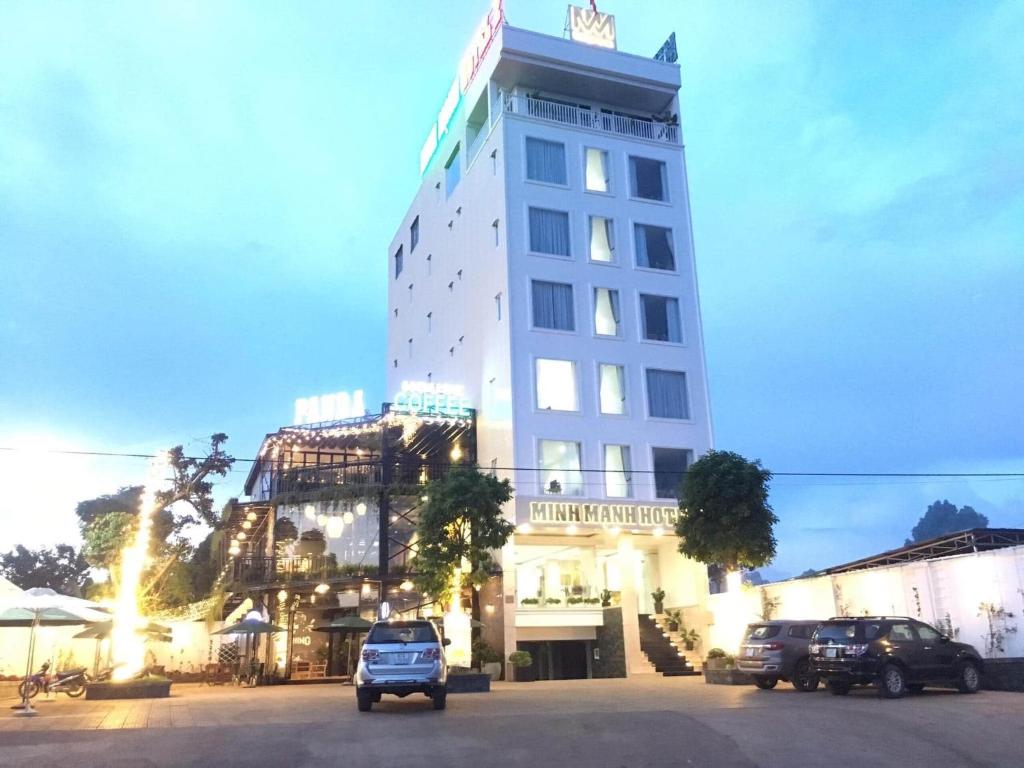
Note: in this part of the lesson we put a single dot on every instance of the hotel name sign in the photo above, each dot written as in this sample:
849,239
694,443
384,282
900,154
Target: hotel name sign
602,513
590,26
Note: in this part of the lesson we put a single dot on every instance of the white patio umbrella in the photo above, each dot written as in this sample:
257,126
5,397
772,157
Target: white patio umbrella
38,607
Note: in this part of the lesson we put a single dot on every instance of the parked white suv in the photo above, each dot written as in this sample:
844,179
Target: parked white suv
401,657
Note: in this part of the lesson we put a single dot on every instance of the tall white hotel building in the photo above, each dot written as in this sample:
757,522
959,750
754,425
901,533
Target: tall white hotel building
546,268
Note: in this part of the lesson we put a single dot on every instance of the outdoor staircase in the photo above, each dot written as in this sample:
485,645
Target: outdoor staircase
659,649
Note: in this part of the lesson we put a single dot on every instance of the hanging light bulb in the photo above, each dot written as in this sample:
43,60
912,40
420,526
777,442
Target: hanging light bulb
241,536
348,518
406,586
361,508
321,520
246,525
251,517
456,453
310,511
282,596
335,525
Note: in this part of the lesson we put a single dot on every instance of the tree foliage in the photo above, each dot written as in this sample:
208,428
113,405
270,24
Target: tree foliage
725,518
942,517
461,521
61,569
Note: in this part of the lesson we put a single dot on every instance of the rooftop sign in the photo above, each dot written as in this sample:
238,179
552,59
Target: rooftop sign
590,26
332,407
423,398
469,65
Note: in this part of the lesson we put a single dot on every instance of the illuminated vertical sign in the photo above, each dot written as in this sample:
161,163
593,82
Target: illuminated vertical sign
591,27
469,65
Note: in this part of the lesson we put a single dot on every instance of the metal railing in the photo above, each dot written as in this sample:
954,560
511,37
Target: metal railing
546,109
323,476
258,569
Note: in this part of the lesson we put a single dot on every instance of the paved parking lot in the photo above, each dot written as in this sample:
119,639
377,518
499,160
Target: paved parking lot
648,721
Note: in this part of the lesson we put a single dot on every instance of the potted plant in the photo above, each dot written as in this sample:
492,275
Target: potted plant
488,659
592,601
522,664
720,669
690,638
675,619
553,601
658,596
530,601
606,598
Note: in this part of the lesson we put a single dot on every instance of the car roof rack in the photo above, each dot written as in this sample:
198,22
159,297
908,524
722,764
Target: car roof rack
874,618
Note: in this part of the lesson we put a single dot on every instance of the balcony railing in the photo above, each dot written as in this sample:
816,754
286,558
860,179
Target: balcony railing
554,111
256,569
323,476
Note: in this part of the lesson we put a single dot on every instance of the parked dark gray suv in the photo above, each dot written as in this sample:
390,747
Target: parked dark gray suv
777,650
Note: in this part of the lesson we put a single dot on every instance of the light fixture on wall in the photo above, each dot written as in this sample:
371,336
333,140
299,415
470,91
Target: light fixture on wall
659,531
572,529
524,528
456,453
282,596
406,586
615,530
322,588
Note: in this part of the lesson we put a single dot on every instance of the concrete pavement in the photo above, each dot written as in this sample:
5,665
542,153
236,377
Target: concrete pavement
645,721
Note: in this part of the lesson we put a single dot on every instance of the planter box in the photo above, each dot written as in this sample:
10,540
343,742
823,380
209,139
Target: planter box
1003,675
475,682
492,669
523,674
716,673
131,689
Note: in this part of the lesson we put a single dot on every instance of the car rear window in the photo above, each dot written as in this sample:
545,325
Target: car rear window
762,631
847,631
402,632
803,631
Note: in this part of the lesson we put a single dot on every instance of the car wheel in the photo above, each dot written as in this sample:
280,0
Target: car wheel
440,699
837,688
765,683
892,682
364,699
969,679
804,679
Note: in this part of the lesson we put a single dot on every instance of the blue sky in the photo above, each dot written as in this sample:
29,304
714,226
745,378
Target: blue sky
196,198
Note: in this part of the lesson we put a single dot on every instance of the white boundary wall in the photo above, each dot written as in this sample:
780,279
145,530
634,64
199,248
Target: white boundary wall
961,595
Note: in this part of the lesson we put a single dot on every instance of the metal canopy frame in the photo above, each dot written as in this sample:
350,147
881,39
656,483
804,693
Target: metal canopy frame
961,543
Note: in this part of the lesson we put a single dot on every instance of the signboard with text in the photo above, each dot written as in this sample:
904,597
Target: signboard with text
591,27
331,407
424,398
602,513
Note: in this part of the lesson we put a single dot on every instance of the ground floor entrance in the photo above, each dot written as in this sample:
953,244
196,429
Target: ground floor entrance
559,659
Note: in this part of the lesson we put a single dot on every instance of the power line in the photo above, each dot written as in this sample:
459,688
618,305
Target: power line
114,454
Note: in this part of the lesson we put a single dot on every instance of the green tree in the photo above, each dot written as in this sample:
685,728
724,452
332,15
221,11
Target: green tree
943,517
725,518
61,569
461,521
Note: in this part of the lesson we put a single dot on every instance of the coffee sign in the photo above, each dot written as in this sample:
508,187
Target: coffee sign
600,513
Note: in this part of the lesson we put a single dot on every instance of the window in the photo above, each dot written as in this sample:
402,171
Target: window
647,179
927,634
654,247
452,173
670,466
666,394
660,315
762,631
556,385
802,631
414,234
549,231
617,472
552,306
901,633
560,468
395,632
545,161
607,319
612,389
597,170
399,261
602,239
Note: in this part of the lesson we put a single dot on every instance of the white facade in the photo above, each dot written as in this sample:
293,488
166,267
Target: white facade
466,307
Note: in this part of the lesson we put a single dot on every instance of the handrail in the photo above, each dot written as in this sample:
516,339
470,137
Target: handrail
595,119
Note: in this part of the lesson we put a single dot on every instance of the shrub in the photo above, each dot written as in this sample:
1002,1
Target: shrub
553,601
717,653
520,658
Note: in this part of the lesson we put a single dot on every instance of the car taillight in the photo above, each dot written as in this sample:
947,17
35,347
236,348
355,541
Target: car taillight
772,647
855,649
430,654
371,654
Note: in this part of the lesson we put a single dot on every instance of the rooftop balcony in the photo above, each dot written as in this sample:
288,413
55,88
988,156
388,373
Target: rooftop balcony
602,120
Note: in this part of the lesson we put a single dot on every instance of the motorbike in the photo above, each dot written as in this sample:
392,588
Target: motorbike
70,681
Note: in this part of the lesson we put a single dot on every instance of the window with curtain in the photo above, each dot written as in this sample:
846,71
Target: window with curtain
399,261
648,179
607,320
654,247
670,465
556,385
452,172
661,318
612,389
549,231
666,394
545,161
560,467
597,170
602,239
617,472
553,306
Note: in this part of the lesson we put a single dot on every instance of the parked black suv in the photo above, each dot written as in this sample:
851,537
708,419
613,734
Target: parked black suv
896,653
